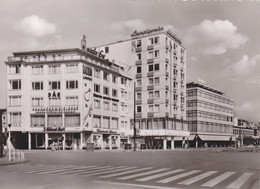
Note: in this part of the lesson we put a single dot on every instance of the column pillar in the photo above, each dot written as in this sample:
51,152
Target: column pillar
81,141
29,141
172,143
64,141
164,143
46,141
110,142
197,143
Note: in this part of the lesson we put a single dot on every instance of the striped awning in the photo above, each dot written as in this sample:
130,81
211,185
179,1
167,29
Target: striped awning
214,138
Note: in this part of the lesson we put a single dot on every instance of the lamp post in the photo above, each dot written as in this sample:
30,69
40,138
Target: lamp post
134,120
9,141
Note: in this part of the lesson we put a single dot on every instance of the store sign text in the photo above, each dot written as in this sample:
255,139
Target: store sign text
69,109
136,33
96,53
54,129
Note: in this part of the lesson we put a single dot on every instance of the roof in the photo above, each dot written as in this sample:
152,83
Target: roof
203,86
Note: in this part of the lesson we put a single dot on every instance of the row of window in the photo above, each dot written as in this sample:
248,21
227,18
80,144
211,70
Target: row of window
238,131
55,121
107,105
194,114
208,95
108,92
105,122
38,69
202,126
155,123
195,103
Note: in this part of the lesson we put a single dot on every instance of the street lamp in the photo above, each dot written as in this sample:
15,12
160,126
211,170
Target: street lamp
9,140
134,120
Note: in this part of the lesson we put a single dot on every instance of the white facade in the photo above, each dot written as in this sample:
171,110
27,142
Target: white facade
156,61
71,96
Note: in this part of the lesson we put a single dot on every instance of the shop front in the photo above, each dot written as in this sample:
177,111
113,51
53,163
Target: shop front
106,139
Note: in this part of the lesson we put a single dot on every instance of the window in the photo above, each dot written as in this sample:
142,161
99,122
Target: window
71,84
15,101
54,85
97,72
138,69
37,85
71,68
105,90
54,120
15,84
114,107
175,84
114,79
153,67
153,108
124,94
37,101
153,94
15,69
156,53
139,83
153,80
72,101
87,70
114,123
153,40
37,121
156,94
106,49
37,70
54,101
139,56
105,76
97,103
96,88
139,109
114,93
54,69
15,119
106,105
138,96
106,122
97,121
175,97
72,120
123,81
139,43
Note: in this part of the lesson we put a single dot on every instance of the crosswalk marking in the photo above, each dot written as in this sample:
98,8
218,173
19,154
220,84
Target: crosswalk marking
142,174
178,176
102,169
159,175
126,172
111,171
197,178
218,179
240,181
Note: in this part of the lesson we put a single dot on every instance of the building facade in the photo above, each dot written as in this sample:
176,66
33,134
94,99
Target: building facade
156,61
69,97
210,116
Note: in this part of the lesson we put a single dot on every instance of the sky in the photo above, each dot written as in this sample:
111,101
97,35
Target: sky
222,38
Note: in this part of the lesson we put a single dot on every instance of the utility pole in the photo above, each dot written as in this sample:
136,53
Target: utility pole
134,121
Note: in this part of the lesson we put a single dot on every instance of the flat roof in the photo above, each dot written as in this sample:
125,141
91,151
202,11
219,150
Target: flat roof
203,86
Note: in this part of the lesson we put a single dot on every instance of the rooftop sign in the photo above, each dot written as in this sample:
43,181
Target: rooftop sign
173,36
148,31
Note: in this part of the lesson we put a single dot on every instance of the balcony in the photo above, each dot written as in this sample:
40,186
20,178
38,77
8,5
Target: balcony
138,62
166,101
166,60
138,75
150,47
138,102
150,101
150,114
138,49
150,60
138,89
150,74
166,87
167,47
167,73
150,87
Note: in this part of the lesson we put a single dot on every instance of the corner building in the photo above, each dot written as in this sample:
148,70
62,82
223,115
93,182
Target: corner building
156,61
70,96
210,116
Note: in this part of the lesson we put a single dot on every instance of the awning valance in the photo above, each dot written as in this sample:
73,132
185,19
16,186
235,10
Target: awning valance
214,138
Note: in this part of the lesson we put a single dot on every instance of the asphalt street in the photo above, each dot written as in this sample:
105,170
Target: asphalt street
127,169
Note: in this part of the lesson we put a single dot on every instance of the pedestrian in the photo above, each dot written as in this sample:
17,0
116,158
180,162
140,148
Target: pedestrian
52,147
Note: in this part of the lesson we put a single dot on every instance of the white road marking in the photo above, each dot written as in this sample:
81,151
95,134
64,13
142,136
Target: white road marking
111,171
240,181
178,176
218,179
135,185
126,172
159,175
142,174
102,169
197,178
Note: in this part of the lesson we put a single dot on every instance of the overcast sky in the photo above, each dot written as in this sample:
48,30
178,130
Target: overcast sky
222,38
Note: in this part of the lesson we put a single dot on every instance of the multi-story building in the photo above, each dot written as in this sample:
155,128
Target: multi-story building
210,115
70,96
156,61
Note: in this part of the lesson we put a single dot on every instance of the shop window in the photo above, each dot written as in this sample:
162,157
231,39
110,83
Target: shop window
72,120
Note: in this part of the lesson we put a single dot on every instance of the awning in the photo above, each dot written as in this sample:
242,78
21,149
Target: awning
214,138
191,137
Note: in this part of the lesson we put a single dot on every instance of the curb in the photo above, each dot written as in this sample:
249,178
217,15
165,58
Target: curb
12,163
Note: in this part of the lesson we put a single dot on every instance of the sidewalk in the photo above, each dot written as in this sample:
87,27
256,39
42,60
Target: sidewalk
5,160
